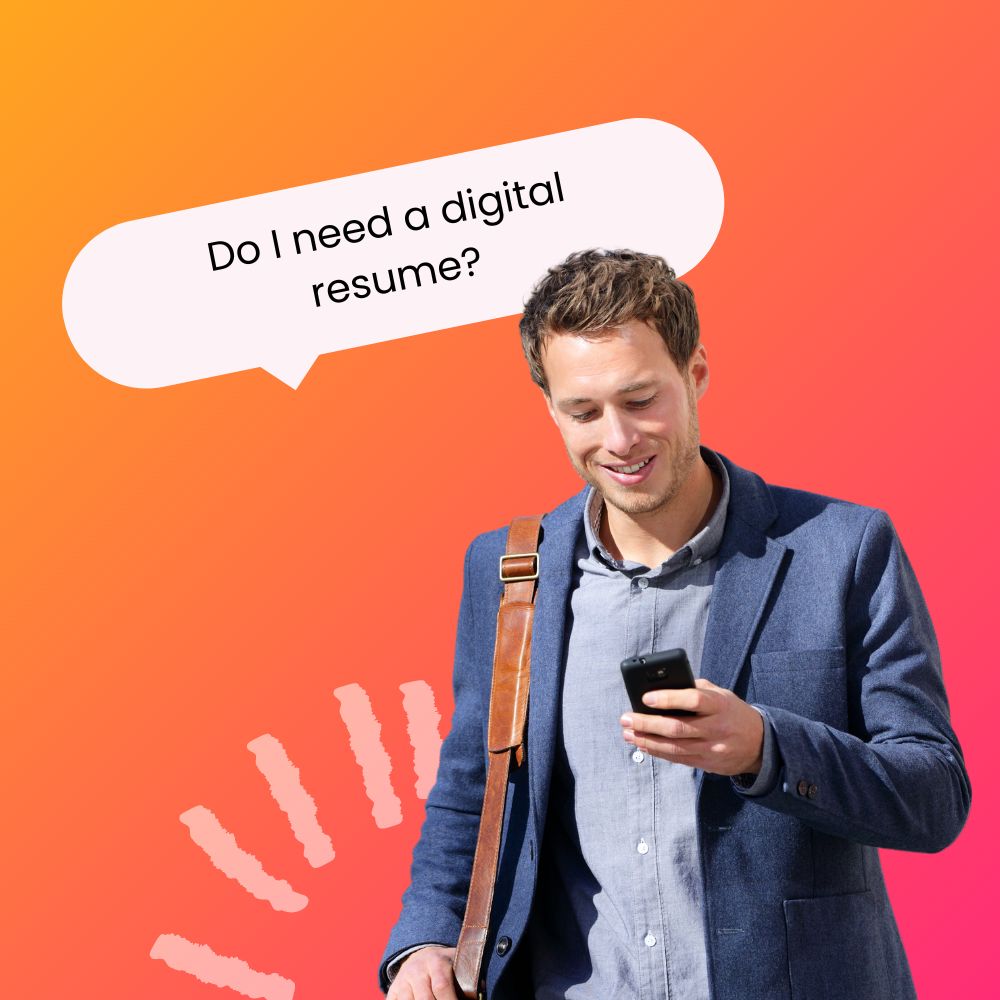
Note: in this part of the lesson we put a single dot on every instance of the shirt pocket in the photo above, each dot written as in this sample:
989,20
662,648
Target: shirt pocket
809,682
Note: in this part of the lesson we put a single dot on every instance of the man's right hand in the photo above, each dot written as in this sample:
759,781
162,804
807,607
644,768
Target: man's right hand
426,974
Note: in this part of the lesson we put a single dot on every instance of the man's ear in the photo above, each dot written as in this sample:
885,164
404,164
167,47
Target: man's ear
698,370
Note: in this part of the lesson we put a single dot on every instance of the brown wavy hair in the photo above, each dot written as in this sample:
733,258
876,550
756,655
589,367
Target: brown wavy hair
592,290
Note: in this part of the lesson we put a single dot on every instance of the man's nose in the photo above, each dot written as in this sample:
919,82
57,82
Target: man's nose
620,434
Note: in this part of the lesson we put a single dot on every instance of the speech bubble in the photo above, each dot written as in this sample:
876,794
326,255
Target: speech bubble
275,280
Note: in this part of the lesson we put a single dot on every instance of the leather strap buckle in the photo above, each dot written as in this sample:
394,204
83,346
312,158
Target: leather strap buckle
515,573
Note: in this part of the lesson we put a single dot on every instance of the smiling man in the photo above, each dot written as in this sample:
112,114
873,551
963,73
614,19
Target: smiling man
732,853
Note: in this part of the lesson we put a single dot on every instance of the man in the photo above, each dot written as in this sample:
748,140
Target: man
730,854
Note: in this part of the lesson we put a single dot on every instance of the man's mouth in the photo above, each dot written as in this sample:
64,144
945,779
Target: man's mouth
629,475
630,468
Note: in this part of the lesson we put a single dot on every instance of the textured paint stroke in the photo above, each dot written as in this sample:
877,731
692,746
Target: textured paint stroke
422,718
223,851
365,732
204,964
300,807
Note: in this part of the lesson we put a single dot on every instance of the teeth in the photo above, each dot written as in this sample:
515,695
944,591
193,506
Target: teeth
632,468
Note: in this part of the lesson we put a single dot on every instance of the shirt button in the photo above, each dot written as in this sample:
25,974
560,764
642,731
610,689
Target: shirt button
642,847
643,583
649,940
638,756
697,561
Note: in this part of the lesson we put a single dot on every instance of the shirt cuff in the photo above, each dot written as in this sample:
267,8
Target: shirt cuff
764,781
393,966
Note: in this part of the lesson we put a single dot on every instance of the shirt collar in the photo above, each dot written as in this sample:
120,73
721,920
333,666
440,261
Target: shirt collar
702,546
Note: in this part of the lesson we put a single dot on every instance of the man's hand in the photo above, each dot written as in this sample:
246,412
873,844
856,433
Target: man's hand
725,737
425,975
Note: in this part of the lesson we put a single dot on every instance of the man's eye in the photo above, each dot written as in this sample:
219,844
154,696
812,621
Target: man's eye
639,404
582,418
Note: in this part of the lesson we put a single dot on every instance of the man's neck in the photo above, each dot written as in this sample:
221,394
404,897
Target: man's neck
650,539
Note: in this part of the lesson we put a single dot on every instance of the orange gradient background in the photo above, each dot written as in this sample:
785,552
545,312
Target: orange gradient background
188,568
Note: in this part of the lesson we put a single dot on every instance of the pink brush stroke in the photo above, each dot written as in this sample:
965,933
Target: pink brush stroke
235,863
365,732
297,804
204,964
422,718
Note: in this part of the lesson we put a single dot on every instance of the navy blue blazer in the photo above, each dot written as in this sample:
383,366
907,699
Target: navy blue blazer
817,615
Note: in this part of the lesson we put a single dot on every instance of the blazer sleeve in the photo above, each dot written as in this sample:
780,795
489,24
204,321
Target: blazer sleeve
434,904
897,779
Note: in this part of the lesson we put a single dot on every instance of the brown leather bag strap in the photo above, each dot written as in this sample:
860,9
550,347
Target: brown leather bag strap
508,711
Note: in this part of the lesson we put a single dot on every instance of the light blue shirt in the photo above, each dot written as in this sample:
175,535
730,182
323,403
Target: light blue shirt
619,910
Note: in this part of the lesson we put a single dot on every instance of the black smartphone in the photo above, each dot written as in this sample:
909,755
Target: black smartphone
654,671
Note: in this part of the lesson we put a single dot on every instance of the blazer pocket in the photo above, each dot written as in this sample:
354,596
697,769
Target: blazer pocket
836,950
809,682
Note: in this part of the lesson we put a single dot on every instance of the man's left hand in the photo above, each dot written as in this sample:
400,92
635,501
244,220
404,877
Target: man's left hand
725,737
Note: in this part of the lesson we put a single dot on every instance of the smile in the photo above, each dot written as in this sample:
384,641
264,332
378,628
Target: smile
629,469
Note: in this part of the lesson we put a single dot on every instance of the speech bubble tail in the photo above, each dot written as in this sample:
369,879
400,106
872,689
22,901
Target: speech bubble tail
291,371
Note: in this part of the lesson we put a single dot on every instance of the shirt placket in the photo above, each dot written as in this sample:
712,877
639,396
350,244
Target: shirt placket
648,928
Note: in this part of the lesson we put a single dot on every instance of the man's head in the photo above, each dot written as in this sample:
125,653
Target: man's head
612,339
593,290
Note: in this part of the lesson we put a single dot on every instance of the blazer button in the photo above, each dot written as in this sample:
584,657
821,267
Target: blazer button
503,945
812,791
802,787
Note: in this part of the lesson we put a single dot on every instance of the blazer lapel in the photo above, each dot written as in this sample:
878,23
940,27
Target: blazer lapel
560,531
748,565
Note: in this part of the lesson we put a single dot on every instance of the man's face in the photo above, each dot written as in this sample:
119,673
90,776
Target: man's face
628,417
